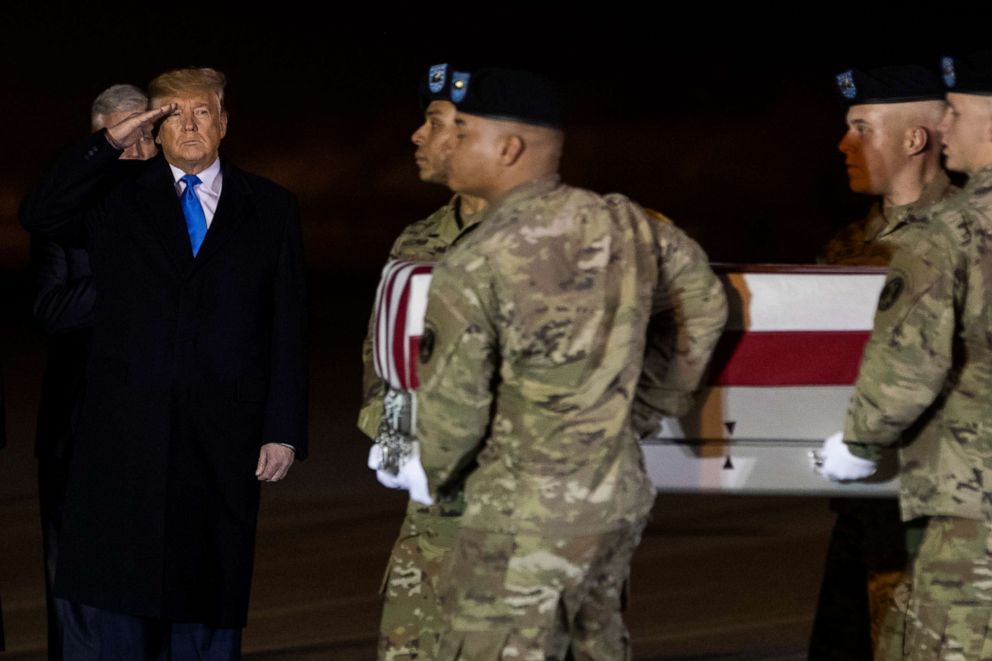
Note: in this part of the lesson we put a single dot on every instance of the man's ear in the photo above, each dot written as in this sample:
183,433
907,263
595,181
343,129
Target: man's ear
512,149
917,140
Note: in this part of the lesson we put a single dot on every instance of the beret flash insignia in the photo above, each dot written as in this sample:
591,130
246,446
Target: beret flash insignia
845,83
459,86
947,68
436,77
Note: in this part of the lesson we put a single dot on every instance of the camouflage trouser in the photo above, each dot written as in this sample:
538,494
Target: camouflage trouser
411,620
866,558
532,597
943,610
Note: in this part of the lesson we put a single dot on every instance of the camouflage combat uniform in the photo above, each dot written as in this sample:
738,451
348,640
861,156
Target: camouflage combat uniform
873,239
867,555
927,375
410,613
531,362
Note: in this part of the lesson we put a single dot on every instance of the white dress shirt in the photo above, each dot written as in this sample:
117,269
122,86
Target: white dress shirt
207,192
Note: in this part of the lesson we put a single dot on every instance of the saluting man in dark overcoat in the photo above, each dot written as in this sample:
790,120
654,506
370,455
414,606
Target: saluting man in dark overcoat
197,383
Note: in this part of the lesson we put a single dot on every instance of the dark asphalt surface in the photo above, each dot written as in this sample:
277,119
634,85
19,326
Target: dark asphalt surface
715,578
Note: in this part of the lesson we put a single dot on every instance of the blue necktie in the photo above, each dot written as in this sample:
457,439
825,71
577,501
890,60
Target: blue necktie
196,222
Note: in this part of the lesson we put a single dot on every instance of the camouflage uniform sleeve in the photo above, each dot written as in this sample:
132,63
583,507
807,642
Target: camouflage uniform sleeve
373,388
688,314
456,372
907,359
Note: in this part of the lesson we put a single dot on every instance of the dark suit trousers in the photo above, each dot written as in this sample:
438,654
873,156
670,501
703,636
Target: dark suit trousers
94,634
53,472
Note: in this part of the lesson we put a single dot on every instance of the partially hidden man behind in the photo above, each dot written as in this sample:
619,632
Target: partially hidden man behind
196,380
560,313
926,384
891,150
63,307
411,611
3,443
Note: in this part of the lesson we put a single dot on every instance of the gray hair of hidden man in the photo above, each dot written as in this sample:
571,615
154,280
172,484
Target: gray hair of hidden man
116,98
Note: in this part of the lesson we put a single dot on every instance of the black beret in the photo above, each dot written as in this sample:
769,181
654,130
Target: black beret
968,75
436,84
519,96
893,84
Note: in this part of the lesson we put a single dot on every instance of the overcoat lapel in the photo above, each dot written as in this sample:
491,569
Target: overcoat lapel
233,206
163,209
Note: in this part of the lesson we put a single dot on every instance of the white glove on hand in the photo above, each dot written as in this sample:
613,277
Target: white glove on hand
375,456
414,478
410,478
838,464
385,478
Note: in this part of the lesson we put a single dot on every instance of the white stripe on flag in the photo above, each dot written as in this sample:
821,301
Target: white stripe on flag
768,414
797,301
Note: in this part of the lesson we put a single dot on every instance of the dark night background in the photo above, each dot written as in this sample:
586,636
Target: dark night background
725,121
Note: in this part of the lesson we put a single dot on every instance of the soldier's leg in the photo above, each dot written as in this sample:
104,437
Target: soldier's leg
950,604
886,557
598,631
892,626
401,597
892,632
840,627
436,544
411,619
509,596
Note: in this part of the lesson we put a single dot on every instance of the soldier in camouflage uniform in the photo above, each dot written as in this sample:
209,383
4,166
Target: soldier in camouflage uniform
560,313
892,150
928,368
410,616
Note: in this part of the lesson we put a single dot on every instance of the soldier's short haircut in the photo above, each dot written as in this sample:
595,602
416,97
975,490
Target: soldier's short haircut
931,113
189,79
116,98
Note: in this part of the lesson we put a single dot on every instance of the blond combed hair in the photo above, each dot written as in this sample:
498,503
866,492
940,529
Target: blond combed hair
189,79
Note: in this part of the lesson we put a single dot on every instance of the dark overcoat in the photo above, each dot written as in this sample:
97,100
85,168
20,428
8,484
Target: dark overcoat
63,308
195,364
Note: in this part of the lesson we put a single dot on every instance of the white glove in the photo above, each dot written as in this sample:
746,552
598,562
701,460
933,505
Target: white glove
410,478
375,456
385,478
838,464
414,478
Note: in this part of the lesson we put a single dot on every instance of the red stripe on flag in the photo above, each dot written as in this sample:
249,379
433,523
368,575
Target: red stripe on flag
409,361
399,332
382,357
788,358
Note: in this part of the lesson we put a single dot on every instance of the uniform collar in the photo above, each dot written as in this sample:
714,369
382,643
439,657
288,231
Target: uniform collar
980,179
524,192
882,222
